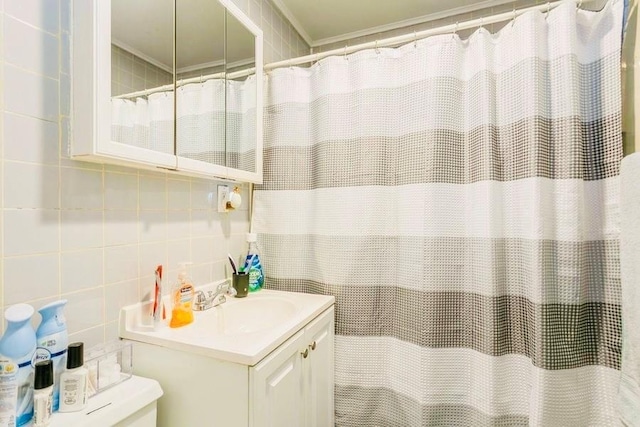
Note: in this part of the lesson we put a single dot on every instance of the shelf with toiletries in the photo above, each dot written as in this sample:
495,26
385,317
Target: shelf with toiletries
201,113
128,403
41,373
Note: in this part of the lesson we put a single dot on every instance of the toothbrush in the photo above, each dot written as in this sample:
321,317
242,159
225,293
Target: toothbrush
233,264
157,298
249,264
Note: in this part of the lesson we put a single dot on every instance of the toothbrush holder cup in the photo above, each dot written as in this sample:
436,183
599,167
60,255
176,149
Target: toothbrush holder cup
240,282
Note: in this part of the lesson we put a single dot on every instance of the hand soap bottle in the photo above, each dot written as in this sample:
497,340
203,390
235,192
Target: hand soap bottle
182,298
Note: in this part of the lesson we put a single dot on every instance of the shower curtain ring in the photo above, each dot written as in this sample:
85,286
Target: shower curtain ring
513,20
579,4
345,52
415,39
376,48
455,31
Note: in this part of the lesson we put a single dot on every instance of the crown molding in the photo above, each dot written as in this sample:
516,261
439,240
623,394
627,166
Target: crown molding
204,65
387,27
141,55
293,20
218,63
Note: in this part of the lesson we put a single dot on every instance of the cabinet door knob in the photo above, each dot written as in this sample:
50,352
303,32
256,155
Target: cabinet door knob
313,345
305,353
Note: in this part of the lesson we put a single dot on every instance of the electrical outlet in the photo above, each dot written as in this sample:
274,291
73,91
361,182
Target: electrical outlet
223,197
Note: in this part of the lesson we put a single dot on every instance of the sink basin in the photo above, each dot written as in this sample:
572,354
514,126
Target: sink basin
241,330
243,317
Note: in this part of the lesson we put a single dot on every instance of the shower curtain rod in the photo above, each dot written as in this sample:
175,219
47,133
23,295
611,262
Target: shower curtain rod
200,79
392,41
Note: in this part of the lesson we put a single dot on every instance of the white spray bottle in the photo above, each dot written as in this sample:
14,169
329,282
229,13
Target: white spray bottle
52,343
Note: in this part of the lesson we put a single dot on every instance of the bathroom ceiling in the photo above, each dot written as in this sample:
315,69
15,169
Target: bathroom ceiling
330,21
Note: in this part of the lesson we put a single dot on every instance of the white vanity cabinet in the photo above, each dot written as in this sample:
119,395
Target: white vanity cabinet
291,385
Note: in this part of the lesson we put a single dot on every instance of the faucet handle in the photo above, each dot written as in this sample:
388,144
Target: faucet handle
200,297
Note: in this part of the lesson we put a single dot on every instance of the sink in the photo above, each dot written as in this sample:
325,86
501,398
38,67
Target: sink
241,330
243,317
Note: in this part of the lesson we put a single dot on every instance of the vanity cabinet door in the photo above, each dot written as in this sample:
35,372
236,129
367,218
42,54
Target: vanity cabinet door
320,371
277,386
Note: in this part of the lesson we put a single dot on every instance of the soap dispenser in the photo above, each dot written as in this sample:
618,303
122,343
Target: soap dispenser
182,298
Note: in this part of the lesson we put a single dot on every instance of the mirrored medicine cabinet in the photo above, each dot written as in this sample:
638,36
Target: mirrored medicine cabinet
171,84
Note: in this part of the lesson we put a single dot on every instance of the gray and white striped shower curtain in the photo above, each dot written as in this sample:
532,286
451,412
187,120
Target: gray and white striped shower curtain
460,200
215,122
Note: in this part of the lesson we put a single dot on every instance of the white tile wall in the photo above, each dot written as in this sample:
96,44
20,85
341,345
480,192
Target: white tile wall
29,48
29,93
89,233
130,73
37,140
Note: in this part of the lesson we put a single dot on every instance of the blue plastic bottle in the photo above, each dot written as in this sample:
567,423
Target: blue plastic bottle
17,347
252,264
53,340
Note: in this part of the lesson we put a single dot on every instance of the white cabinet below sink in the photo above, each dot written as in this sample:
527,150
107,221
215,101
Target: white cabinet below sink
293,386
285,388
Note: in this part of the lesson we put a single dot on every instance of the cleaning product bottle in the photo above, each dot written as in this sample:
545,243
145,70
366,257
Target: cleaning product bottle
182,296
52,340
17,347
252,265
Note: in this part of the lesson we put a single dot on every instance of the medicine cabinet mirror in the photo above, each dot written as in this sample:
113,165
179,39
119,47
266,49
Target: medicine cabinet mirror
173,84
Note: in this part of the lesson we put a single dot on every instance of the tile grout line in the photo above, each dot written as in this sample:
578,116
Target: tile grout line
36,27
60,145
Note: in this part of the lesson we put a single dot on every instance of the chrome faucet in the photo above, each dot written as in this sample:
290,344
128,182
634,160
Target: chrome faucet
213,298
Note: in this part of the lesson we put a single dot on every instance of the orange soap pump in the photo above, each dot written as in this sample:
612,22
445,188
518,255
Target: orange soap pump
182,297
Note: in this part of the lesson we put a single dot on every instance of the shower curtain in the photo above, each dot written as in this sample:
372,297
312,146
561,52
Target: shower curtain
460,200
145,123
215,122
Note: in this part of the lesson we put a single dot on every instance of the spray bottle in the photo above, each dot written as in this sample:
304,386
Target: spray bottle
52,343
17,347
